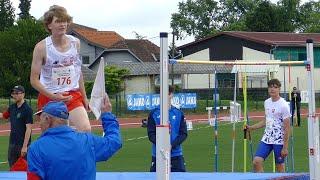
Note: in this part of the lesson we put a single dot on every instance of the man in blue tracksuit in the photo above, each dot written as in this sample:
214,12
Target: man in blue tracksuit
62,153
178,133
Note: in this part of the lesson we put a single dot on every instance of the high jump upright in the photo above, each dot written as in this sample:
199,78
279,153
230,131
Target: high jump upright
163,149
313,120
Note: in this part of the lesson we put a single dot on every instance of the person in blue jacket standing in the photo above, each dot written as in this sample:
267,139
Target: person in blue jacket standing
178,134
63,153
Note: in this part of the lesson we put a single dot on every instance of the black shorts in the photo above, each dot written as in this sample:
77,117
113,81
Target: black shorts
177,164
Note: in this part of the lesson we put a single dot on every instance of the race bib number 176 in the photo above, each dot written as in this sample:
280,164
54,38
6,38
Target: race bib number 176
62,76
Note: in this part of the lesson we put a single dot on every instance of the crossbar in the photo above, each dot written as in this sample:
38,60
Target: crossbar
232,62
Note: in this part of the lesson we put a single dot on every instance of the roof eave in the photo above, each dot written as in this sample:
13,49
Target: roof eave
237,35
87,40
114,50
287,44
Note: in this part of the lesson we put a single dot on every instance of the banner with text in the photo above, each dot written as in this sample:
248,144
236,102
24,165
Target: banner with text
150,101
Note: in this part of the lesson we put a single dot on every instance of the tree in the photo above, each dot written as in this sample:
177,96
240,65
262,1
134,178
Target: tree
233,13
114,77
114,80
24,8
309,17
6,14
138,36
16,54
205,17
262,18
201,18
196,17
287,15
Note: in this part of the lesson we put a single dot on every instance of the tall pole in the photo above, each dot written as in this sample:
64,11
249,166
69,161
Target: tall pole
290,166
313,121
244,89
234,120
216,120
162,131
172,57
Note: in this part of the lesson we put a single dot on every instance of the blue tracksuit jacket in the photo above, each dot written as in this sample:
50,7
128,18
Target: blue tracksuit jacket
62,153
178,129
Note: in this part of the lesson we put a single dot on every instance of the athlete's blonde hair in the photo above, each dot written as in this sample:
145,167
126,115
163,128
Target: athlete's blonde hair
56,11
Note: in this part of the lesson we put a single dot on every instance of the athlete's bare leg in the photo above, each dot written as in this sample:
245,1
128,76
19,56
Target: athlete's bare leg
280,167
258,164
79,118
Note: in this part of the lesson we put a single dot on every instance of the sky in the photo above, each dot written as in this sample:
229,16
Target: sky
146,17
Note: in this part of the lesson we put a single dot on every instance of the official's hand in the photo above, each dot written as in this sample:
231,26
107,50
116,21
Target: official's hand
65,97
284,152
106,104
24,151
249,128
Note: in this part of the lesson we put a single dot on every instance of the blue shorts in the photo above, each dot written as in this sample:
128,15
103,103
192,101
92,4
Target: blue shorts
264,150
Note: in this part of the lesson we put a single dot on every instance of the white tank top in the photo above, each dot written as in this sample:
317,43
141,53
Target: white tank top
61,71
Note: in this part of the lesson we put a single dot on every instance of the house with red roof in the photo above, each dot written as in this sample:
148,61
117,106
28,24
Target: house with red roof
118,51
93,42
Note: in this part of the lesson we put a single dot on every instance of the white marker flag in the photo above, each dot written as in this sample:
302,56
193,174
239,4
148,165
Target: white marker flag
98,91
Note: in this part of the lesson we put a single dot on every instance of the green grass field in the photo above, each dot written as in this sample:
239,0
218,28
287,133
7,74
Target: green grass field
135,154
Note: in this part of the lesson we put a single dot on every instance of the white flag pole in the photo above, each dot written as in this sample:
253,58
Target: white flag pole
98,90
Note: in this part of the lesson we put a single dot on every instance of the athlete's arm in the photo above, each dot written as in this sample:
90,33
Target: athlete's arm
38,60
257,126
286,129
81,84
83,92
183,133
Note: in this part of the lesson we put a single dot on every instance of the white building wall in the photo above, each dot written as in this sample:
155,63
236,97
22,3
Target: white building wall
202,55
254,80
138,85
254,55
117,57
87,50
298,74
298,78
198,81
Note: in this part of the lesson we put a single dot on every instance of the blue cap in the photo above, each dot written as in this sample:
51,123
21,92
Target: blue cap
55,108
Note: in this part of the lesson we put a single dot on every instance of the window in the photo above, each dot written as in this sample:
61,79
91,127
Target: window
302,56
85,60
154,57
176,81
225,80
